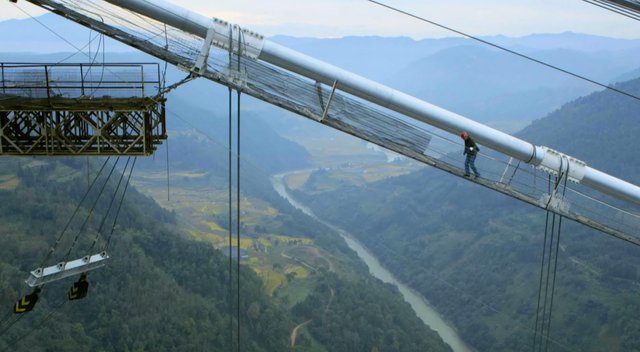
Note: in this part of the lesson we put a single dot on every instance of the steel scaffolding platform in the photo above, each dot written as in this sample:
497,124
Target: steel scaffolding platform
80,109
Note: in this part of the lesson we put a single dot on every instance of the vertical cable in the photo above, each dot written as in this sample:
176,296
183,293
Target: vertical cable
168,187
546,289
238,184
88,171
544,249
238,212
553,285
230,158
229,225
555,265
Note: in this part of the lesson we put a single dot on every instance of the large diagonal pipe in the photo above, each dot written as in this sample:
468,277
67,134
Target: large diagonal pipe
392,99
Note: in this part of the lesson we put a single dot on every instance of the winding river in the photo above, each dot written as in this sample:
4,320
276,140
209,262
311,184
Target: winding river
417,302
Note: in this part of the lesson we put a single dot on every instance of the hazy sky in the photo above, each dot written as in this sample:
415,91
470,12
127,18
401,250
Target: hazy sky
336,18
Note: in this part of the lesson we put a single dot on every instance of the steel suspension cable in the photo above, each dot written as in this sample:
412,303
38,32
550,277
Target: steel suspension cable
550,276
555,269
238,212
230,220
52,250
540,62
113,198
544,249
230,188
546,290
93,206
124,192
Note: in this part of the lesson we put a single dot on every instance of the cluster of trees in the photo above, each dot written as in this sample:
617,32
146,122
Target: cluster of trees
351,316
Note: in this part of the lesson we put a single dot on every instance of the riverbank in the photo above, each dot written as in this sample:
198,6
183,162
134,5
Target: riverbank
419,304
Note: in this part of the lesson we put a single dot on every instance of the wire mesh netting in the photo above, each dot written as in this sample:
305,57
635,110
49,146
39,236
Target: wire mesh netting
41,81
356,117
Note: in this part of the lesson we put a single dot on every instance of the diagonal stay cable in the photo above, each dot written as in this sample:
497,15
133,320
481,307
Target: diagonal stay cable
504,49
124,192
93,206
53,248
104,218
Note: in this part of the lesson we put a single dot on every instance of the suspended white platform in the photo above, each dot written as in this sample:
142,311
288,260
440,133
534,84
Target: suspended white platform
61,270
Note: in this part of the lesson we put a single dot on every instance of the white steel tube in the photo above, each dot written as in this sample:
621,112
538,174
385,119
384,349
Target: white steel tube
379,94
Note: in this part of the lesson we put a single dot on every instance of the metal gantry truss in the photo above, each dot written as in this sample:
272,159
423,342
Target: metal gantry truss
67,109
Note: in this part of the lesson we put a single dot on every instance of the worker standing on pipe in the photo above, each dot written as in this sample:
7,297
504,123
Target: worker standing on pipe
470,150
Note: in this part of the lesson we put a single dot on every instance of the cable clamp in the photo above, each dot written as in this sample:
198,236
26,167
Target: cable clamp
201,62
553,161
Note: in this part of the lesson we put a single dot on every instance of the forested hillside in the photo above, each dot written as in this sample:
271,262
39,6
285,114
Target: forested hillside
163,291
159,291
476,255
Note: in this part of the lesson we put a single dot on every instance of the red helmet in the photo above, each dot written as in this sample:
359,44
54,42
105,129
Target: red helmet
464,135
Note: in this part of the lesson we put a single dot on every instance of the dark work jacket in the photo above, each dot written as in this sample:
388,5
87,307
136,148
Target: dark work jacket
470,147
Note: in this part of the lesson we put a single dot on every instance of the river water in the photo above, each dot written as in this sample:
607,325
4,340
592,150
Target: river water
417,302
